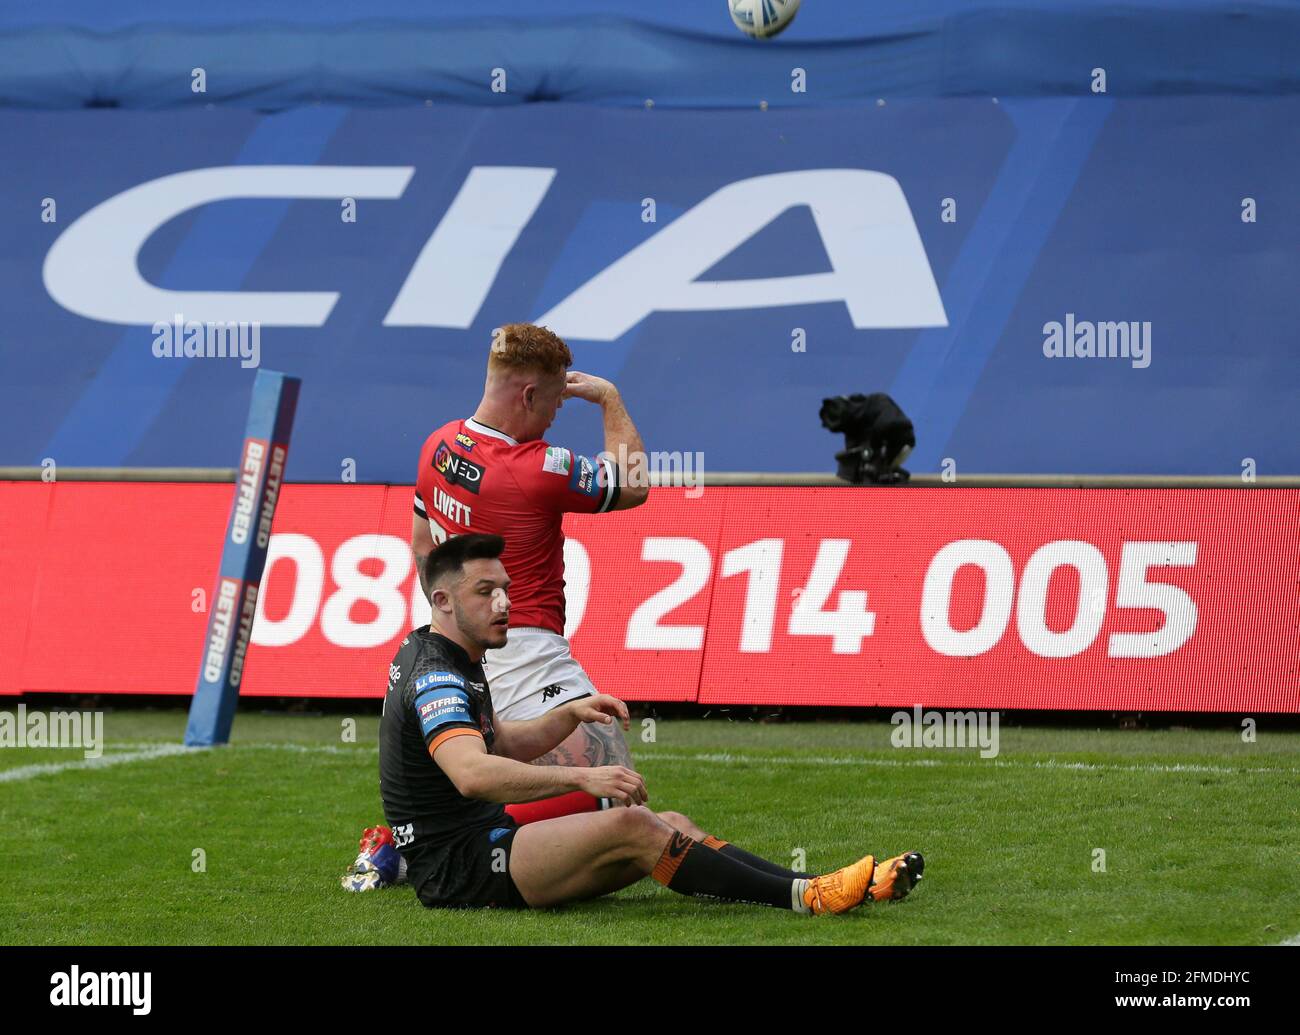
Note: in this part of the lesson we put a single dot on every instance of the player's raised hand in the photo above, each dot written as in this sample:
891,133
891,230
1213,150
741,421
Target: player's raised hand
603,709
624,785
586,386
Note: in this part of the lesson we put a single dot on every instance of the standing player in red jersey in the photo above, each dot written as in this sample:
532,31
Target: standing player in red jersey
493,472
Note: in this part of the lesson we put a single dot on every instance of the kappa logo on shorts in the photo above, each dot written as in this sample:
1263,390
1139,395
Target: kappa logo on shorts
554,690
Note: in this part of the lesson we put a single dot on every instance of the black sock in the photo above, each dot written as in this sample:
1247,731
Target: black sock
689,869
750,859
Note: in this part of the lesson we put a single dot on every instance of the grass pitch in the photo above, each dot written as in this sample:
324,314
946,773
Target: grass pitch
1199,832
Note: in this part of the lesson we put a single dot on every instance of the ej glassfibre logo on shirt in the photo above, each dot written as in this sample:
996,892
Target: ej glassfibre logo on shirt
456,469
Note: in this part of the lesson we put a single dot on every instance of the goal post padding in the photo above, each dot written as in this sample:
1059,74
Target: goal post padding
243,558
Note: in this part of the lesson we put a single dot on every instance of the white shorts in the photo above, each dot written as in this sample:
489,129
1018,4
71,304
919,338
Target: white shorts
533,673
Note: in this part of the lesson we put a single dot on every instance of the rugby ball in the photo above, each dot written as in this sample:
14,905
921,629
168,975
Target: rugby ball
762,19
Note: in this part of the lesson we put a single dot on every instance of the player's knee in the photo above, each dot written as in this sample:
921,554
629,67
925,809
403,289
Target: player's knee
675,820
638,828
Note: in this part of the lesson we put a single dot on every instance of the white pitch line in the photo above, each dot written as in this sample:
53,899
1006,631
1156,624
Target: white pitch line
1293,940
828,760
27,772
928,763
311,749
154,750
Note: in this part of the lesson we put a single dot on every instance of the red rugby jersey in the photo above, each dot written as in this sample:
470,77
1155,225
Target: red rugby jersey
474,478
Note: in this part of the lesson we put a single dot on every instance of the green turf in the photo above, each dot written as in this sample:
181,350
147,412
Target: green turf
1200,855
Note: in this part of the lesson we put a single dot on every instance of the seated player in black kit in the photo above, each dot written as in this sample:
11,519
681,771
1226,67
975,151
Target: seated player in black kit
447,766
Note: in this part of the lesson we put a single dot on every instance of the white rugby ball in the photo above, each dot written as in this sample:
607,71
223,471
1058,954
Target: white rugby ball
762,19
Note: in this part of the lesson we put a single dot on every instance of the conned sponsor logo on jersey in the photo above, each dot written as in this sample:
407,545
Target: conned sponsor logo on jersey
456,469
434,678
464,441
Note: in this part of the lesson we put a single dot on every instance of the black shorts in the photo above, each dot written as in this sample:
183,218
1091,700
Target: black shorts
468,870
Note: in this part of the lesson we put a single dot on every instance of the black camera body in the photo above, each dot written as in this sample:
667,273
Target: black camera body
877,434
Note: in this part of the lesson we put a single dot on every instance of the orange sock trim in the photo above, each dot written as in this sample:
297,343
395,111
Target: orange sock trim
674,853
715,843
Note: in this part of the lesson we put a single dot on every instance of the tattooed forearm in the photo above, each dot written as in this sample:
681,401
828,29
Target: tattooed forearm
591,744
560,756
605,745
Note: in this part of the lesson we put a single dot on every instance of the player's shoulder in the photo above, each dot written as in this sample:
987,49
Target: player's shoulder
407,651
427,665
538,457
530,466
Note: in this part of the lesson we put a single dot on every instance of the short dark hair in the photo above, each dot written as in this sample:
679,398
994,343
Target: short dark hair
450,557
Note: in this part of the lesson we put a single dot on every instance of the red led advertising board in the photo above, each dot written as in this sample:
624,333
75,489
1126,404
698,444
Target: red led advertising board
1111,599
